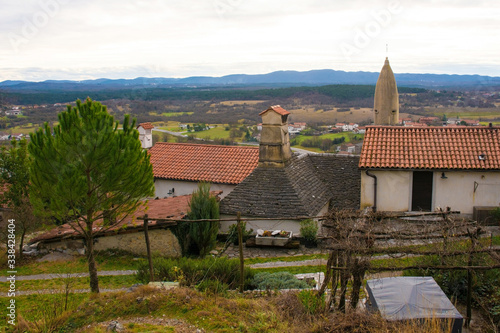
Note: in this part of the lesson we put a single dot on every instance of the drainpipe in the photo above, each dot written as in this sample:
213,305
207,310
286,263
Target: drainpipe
374,189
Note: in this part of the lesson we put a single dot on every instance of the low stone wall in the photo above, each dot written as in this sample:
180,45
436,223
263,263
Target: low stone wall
163,242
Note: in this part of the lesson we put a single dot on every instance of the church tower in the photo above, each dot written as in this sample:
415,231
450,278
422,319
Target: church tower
386,103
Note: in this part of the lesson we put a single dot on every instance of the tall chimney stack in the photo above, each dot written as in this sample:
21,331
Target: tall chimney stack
274,149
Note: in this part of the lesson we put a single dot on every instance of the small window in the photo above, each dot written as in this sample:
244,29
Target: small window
393,111
376,111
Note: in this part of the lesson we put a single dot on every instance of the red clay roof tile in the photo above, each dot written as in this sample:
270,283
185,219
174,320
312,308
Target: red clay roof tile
197,162
175,208
277,109
431,148
146,125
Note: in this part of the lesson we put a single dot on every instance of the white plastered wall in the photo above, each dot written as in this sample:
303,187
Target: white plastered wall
163,186
460,190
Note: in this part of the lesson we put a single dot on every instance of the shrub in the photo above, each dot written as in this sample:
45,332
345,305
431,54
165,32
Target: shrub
281,280
191,272
309,230
311,302
232,236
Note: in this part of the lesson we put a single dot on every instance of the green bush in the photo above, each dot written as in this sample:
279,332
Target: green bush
232,236
309,230
280,280
191,272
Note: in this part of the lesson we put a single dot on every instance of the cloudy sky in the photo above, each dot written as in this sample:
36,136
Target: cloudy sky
87,39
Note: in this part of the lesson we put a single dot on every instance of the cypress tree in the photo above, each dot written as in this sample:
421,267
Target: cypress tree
203,206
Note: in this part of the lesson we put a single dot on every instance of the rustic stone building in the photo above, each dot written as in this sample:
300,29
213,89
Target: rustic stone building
287,185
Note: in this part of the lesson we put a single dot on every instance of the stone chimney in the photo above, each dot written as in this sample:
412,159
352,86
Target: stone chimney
274,149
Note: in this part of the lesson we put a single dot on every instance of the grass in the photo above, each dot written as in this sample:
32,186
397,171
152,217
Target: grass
106,261
144,310
251,261
218,132
293,269
105,282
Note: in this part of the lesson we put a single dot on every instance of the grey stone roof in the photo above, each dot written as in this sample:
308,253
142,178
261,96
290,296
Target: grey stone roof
302,188
341,174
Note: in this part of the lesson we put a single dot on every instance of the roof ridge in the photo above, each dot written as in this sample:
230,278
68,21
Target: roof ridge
202,145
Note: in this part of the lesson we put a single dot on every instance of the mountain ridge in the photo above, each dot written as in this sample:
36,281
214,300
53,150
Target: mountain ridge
284,78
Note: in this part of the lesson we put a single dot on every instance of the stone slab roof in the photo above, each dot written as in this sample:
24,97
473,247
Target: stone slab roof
341,174
197,162
456,148
291,191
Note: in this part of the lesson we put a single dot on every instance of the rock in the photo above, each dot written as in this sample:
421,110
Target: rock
214,252
114,326
31,253
81,251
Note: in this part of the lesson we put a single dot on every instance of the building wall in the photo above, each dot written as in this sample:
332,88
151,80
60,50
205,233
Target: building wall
456,191
163,186
288,225
393,190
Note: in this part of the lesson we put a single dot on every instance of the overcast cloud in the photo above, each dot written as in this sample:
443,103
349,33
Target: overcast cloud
76,39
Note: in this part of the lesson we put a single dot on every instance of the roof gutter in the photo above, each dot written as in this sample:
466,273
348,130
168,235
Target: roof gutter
374,207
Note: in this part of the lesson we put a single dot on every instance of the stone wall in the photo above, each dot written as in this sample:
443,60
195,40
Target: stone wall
163,242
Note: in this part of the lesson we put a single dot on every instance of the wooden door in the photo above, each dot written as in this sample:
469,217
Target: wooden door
421,199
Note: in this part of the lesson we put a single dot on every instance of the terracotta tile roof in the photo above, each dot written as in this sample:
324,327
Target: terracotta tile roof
196,162
277,109
460,148
146,126
175,208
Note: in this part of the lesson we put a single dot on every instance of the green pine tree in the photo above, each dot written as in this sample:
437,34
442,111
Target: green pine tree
87,169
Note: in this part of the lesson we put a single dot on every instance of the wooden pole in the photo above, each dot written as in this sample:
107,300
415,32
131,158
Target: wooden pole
148,248
240,247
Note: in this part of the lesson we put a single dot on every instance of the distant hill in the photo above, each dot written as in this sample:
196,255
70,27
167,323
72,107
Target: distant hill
274,79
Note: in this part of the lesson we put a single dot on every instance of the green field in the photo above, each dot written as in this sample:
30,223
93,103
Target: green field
218,132
331,136
171,114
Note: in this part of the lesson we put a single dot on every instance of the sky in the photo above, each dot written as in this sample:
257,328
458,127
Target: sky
90,39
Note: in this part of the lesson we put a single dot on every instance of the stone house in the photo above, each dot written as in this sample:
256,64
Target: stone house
128,234
179,167
286,185
421,169
146,135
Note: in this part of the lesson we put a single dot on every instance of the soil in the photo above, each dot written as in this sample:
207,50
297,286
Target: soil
133,324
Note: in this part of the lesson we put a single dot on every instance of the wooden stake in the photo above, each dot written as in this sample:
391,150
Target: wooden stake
240,247
148,248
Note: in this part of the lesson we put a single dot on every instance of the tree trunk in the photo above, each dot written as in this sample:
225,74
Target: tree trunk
357,280
21,244
94,281
344,279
